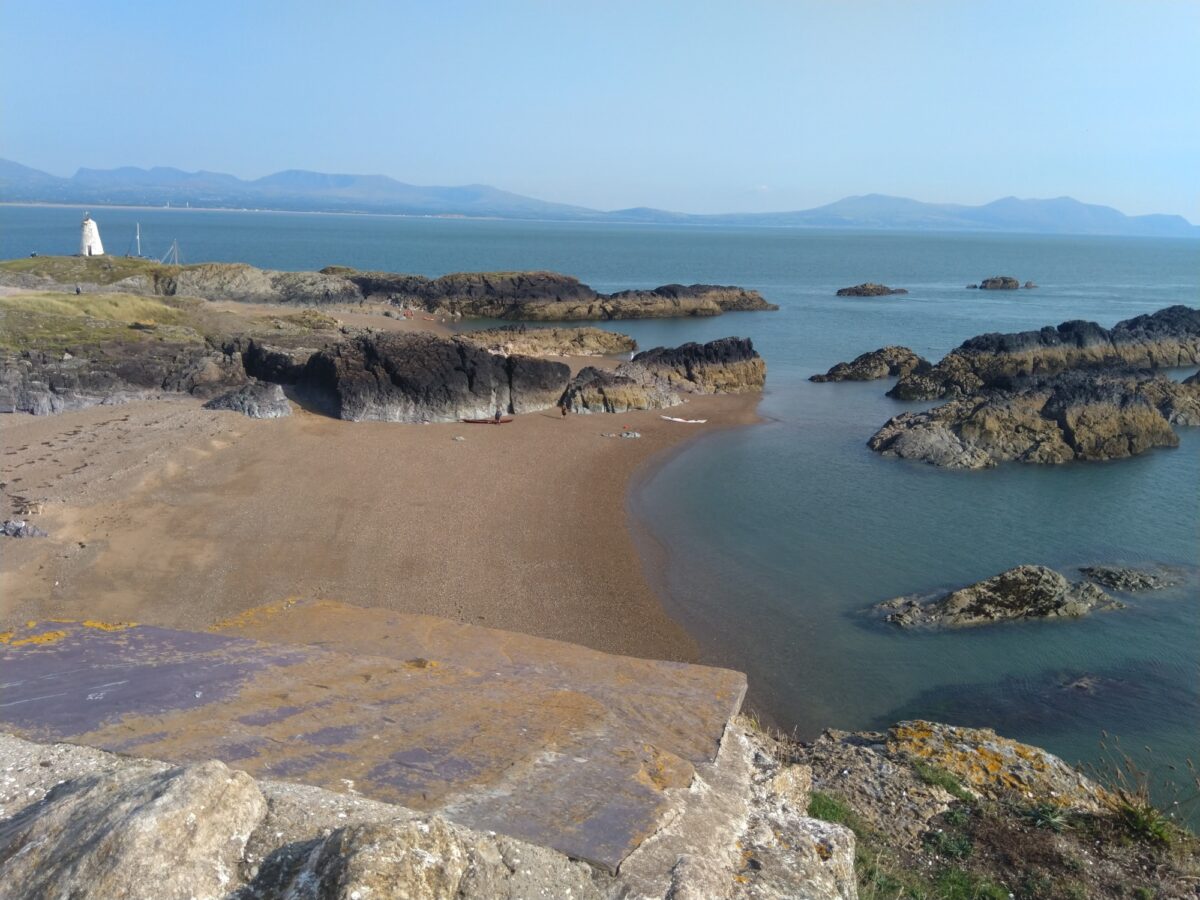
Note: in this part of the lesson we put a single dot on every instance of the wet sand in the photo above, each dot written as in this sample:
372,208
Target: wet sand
163,513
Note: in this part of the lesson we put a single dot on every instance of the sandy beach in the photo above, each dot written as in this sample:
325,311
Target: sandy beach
164,513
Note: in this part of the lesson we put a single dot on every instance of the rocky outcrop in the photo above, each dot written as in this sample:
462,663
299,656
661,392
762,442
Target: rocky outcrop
1074,416
519,339
886,362
869,289
1026,592
599,390
257,399
726,366
412,377
178,833
1167,338
533,296
1129,580
43,383
999,283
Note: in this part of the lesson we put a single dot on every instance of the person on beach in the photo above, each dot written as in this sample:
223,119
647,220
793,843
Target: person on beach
498,416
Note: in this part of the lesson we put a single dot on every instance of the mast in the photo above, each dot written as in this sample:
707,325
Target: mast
172,254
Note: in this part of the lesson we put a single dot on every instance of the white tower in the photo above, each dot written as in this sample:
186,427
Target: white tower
89,238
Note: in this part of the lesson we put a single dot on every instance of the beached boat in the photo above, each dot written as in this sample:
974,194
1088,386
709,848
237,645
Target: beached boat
491,420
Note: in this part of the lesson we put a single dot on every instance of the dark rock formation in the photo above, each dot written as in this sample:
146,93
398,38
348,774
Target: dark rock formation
1026,592
599,390
1169,337
869,289
257,399
726,366
535,296
885,362
1075,415
19,528
43,383
1029,285
1129,580
999,283
414,377
269,362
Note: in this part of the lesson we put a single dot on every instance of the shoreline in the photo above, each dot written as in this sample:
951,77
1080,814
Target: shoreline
166,514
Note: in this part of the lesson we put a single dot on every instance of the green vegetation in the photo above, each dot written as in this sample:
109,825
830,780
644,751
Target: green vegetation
959,884
1048,816
56,322
86,269
931,774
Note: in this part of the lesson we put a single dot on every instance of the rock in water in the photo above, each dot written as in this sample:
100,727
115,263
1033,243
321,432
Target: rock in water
882,363
726,366
1128,580
422,378
258,400
1026,592
1082,415
999,283
172,835
869,289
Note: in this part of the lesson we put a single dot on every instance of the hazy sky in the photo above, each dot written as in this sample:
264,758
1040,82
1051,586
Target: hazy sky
693,106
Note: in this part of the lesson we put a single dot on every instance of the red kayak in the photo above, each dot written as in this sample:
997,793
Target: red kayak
492,421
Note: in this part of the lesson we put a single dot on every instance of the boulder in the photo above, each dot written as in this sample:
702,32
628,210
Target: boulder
257,399
598,390
414,377
1029,285
869,289
999,283
168,835
19,528
726,366
885,362
1025,592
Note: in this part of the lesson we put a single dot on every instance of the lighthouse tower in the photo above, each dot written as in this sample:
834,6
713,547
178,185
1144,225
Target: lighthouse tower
89,237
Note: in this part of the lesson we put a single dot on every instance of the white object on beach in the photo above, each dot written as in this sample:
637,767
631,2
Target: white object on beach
685,421
89,237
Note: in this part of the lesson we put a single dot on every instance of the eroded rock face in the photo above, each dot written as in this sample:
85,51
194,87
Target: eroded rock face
525,341
132,833
869,289
1169,337
726,366
1073,416
421,378
1026,592
257,399
45,383
885,362
599,390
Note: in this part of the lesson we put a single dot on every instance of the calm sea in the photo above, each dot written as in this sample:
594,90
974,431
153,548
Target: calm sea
776,537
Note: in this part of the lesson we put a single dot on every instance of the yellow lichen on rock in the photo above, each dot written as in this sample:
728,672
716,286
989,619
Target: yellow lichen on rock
44,638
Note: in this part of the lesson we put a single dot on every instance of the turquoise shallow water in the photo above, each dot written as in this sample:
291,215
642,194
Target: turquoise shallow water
778,535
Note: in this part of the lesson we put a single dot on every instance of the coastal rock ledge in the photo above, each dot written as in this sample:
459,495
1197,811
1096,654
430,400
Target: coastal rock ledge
886,362
1026,592
870,289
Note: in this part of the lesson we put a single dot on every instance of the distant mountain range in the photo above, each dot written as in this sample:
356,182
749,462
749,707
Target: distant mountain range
297,190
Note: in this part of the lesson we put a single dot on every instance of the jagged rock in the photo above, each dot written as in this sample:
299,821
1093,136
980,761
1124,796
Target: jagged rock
869,289
972,287
1083,415
999,283
137,834
422,378
1129,580
519,339
19,528
998,768
1029,285
116,372
1167,338
885,362
258,400
1026,592
268,362
599,390
726,366
426,858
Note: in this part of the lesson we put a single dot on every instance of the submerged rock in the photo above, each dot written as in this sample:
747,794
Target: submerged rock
1130,580
1073,416
174,835
869,289
258,400
885,362
1026,592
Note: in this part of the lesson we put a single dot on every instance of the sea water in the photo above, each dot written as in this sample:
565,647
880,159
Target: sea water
771,541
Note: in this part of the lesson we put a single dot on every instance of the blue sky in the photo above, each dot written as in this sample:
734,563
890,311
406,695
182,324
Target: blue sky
693,106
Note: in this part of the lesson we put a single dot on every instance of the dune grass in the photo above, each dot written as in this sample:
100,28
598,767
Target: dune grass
54,322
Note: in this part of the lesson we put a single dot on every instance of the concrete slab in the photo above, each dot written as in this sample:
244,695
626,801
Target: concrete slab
551,743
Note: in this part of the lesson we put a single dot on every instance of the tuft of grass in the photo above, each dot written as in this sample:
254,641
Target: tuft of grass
830,809
958,884
931,774
1047,816
950,844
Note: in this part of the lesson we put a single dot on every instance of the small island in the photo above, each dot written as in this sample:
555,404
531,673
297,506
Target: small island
870,289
